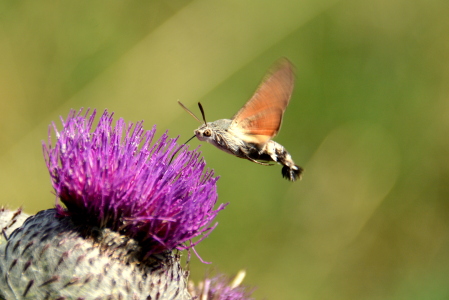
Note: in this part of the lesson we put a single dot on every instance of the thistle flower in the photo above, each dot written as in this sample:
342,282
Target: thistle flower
114,177
221,287
129,203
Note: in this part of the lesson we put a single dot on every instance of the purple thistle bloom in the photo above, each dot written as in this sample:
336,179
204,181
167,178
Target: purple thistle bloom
221,287
116,178
129,202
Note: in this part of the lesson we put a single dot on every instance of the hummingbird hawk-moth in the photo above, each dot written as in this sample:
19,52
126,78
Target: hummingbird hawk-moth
248,134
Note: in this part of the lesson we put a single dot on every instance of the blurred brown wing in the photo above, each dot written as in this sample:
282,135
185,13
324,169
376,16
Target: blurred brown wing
260,118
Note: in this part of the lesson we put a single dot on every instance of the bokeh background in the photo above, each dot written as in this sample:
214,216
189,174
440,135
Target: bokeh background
369,121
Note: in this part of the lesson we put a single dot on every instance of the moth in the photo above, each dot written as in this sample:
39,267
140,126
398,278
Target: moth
249,133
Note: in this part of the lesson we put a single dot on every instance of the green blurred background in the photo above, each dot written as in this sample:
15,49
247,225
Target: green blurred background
368,121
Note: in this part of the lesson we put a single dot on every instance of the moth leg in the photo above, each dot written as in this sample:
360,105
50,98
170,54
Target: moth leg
258,162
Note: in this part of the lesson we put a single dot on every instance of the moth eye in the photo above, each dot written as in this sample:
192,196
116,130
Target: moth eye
207,132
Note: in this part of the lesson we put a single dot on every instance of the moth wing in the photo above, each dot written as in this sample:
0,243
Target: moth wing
260,118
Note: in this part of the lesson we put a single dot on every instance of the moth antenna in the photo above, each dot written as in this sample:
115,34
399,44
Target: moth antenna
180,147
202,112
188,110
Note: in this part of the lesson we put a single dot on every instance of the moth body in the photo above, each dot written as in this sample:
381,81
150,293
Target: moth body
279,154
217,134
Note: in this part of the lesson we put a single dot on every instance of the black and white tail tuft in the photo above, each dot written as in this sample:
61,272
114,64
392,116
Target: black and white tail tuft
292,173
